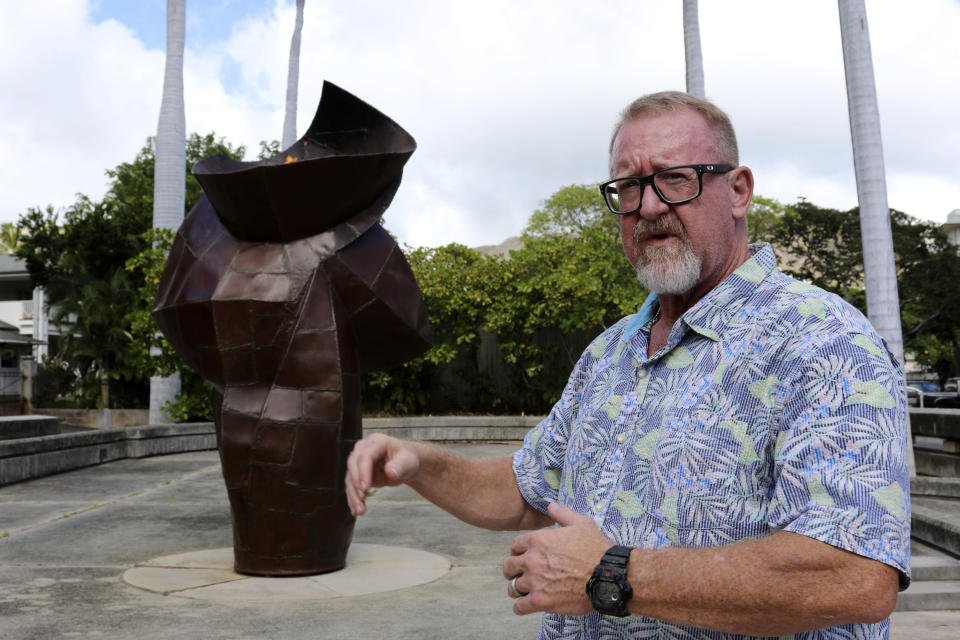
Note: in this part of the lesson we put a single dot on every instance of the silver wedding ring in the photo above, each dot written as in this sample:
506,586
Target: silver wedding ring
514,591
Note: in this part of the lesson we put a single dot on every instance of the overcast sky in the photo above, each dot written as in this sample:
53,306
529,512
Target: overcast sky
508,100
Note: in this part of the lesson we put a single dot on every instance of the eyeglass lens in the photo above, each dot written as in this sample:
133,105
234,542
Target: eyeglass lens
673,185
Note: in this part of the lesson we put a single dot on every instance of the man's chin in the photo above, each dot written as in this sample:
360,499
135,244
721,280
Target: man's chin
659,258
668,277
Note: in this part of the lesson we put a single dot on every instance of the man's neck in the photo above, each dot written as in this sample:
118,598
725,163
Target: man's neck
672,306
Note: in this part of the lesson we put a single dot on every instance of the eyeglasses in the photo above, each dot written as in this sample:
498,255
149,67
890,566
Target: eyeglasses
675,185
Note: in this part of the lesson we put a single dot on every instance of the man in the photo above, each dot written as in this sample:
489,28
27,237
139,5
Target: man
727,462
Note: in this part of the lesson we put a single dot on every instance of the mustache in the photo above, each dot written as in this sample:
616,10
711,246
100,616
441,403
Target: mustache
668,224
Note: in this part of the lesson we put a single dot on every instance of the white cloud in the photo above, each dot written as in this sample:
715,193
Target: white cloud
508,101
910,192
69,108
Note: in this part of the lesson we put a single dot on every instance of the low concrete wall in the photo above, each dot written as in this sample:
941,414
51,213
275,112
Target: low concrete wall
935,531
93,418
33,457
161,439
27,426
45,455
935,487
944,423
936,441
453,428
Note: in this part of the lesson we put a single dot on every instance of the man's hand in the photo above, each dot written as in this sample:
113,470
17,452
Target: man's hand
378,461
552,566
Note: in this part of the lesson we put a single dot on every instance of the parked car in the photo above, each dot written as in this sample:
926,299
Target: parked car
926,394
952,384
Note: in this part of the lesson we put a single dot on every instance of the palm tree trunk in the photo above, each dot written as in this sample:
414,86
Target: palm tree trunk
293,78
691,47
879,267
169,180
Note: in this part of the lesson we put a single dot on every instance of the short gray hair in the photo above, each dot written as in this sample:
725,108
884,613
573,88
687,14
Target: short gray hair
667,101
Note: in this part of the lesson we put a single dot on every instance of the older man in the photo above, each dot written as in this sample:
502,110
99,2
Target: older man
727,462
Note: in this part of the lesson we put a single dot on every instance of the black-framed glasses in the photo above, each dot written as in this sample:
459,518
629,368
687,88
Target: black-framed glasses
675,185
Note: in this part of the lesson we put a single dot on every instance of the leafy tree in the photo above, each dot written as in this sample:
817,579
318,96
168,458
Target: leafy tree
926,262
268,149
193,401
823,246
763,219
78,255
508,331
553,296
10,235
456,285
571,210
75,259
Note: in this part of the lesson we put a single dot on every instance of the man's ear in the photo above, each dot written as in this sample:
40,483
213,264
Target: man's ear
741,191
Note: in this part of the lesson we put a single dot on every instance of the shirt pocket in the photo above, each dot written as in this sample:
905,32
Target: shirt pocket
702,484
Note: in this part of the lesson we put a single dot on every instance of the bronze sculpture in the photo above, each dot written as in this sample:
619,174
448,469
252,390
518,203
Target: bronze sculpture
280,289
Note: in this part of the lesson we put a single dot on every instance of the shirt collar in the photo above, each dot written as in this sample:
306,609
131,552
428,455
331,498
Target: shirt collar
643,317
712,312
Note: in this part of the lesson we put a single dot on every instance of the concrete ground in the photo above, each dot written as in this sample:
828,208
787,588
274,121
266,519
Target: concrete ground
67,540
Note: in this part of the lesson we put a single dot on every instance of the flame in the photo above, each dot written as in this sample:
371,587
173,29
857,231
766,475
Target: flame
289,159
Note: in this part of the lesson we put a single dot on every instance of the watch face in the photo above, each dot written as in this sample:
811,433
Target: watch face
607,592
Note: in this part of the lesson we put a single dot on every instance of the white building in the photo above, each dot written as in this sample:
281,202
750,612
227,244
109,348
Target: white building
22,311
952,227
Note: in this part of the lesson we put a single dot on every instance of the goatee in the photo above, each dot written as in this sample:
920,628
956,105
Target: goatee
667,270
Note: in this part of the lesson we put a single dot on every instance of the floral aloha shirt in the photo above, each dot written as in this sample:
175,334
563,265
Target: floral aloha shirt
774,406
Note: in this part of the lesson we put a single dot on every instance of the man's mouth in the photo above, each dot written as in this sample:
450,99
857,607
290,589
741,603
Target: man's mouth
660,232
656,238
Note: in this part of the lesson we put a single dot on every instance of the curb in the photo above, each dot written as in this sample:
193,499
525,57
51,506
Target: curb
453,428
26,458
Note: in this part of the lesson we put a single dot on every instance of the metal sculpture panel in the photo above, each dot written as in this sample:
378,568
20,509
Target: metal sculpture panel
280,289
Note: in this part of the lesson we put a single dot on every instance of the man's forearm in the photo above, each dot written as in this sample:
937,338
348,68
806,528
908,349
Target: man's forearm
480,491
777,585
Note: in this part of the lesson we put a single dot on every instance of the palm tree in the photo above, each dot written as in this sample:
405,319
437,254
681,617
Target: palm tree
691,46
9,237
879,268
293,75
169,182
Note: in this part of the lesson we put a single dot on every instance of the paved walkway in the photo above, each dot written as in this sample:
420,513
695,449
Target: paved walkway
68,540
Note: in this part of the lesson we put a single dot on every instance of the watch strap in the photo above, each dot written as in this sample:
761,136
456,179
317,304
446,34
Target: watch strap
617,555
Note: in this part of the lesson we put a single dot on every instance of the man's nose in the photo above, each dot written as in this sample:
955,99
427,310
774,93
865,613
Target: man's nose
651,205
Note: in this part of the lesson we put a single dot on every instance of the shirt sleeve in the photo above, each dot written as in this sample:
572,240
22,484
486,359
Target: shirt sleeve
538,466
840,470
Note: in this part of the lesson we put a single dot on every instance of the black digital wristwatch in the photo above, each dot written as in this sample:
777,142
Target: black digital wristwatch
609,589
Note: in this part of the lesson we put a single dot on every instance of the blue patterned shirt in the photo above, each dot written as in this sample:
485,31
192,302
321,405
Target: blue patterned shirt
774,406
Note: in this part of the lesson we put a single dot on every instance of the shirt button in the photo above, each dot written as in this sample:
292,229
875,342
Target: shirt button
621,438
641,373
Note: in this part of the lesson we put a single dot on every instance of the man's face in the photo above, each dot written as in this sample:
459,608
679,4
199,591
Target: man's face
674,248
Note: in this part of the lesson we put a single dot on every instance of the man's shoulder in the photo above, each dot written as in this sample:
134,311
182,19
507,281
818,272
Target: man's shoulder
815,316
792,298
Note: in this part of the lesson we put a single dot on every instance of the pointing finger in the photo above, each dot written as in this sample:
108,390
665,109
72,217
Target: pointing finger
564,516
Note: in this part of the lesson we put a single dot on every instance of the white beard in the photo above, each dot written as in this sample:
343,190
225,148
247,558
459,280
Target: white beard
668,270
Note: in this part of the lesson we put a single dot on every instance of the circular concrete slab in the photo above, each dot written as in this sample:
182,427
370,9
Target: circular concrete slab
209,575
